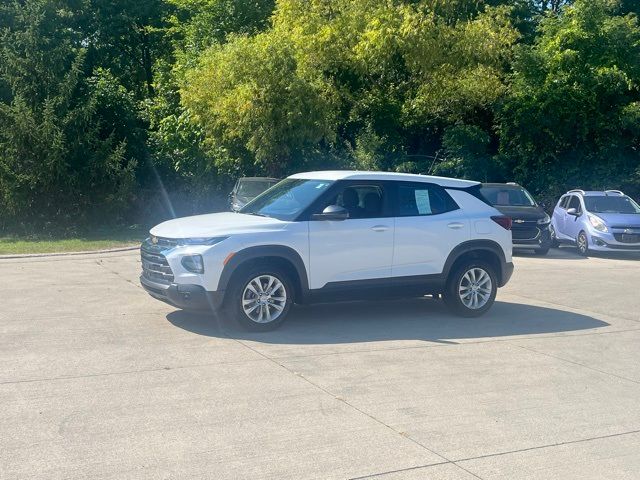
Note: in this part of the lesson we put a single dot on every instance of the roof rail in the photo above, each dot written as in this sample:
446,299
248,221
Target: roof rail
512,183
576,190
614,191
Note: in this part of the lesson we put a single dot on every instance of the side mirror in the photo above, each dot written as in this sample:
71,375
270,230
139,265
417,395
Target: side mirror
332,212
572,211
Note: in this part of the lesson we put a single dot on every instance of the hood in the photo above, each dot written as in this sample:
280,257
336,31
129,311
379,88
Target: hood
619,219
522,213
215,225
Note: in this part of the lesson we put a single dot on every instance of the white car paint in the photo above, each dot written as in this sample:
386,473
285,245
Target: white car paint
334,251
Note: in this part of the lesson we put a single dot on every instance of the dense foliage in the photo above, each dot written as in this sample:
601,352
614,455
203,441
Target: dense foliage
107,107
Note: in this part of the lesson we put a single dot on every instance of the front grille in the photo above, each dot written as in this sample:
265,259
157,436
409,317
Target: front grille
525,230
627,238
154,264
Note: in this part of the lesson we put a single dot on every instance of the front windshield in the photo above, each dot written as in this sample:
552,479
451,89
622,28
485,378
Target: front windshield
508,197
287,199
253,188
611,205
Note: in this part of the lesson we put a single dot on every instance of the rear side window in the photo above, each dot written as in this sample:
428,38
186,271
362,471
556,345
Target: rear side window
418,199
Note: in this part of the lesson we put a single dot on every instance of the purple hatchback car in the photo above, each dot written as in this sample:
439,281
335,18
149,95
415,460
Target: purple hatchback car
597,221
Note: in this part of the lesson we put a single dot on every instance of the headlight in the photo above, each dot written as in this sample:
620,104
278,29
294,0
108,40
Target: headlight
201,240
597,223
193,263
544,220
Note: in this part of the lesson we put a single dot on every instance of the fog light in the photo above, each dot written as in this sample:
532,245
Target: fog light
193,263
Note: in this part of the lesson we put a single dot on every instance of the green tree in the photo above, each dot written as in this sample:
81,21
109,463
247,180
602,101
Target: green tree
69,139
571,116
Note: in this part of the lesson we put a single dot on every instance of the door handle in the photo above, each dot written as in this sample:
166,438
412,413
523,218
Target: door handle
456,225
380,228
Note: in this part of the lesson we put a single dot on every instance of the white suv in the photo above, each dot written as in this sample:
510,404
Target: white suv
334,235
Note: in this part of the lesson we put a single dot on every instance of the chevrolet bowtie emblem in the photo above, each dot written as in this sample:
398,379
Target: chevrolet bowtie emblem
518,221
628,230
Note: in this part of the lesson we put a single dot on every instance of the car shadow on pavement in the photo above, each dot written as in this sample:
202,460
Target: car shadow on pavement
413,319
562,253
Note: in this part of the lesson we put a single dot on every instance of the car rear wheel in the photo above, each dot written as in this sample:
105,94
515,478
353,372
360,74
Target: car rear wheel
471,289
582,244
261,299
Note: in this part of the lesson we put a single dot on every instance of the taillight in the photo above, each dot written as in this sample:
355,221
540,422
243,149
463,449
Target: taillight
504,221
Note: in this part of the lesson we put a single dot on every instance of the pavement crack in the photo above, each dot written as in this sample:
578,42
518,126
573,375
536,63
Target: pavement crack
550,445
100,264
533,350
353,407
126,372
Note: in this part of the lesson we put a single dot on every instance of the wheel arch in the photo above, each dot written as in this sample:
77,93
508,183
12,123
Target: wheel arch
487,250
280,255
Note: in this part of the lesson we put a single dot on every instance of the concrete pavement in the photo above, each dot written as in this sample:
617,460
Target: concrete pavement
100,381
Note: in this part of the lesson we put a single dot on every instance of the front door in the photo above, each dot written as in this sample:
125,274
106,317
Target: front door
571,223
356,251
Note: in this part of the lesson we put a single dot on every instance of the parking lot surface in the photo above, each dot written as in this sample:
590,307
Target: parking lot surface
101,381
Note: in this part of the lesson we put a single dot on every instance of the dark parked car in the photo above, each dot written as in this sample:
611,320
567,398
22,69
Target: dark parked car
248,188
530,228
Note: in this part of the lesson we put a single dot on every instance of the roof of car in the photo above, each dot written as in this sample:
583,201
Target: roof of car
259,179
502,185
364,175
596,193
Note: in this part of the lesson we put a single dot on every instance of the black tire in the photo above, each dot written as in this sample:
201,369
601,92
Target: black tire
541,251
554,239
451,294
582,244
234,301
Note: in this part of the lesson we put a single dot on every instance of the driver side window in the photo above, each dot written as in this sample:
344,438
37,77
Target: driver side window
575,203
361,201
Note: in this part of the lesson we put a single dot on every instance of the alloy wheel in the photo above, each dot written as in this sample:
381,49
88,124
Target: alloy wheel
582,243
475,288
264,299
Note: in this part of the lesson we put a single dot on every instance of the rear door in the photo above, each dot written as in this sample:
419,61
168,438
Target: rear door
429,225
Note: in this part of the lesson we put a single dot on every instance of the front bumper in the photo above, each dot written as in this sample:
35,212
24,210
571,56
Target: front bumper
185,297
607,242
599,244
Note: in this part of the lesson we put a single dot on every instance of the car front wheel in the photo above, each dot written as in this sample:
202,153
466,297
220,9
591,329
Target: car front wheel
582,244
471,289
261,299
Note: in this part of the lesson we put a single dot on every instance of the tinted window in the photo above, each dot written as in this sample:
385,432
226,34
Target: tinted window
574,203
288,199
507,196
253,188
361,201
611,205
418,199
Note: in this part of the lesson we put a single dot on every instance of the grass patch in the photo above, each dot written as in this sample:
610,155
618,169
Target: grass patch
97,240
